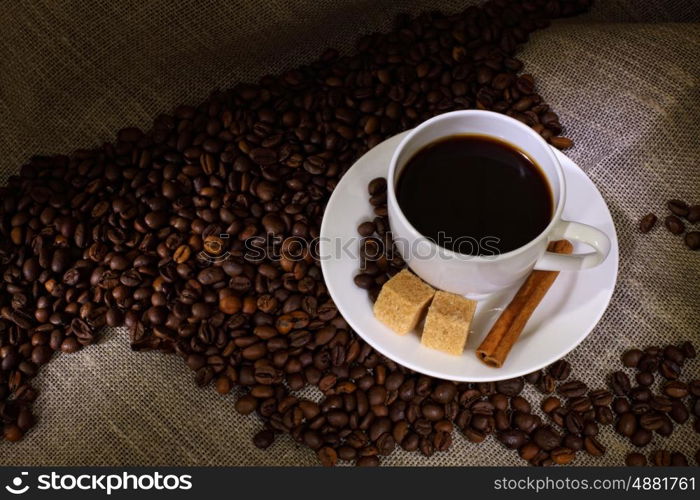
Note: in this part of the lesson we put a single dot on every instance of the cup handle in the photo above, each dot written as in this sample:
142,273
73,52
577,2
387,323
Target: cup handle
584,233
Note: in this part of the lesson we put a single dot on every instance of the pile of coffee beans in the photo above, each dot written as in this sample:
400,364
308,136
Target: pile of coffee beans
192,235
641,413
674,222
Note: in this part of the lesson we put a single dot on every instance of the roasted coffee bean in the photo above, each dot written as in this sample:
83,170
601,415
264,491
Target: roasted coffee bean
679,413
635,460
694,387
669,370
263,439
600,397
528,451
678,459
631,357
693,215
627,424
327,456
562,456
510,387
648,363
547,384
661,458
678,207
620,383
674,224
534,377
647,223
572,442
550,404
546,438
673,353
692,240
560,370
644,379
512,439
572,389
651,421
604,415
641,438
593,446
675,389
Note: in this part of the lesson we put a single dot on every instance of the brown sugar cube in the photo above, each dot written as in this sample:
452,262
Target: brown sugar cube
402,302
447,324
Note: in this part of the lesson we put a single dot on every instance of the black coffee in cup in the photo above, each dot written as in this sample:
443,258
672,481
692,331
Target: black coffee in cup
475,195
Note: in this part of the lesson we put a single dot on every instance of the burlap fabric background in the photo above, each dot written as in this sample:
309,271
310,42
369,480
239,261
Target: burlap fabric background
624,78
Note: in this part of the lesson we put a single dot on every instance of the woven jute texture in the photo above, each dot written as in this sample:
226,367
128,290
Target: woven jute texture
625,80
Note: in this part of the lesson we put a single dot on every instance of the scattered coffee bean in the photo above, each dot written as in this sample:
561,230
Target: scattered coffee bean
674,224
678,207
693,214
692,240
635,460
647,223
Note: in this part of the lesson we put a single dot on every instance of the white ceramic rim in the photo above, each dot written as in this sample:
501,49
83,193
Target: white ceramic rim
467,113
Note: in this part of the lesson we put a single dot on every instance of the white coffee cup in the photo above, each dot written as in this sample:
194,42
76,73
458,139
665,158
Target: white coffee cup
477,276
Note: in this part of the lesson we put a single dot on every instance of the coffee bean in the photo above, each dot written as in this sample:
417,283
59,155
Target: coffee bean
647,223
674,224
692,240
644,379
546,438
693,214
675,389
327,456
367,461
678,207
572,442
679,413
444,392
562,456
648,363
688,350
528,451
572,389
512,439
550,404
377,186
641,438
367,228
678,459
510,387
620,383
627,424
651,421
635,460
669,370
593,446
694,387
603,415
631,357
560,370
263,439
661,458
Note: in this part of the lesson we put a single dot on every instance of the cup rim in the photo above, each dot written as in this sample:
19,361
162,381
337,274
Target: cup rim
556,216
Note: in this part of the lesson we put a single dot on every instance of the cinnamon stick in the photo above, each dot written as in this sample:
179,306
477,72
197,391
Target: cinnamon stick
505,332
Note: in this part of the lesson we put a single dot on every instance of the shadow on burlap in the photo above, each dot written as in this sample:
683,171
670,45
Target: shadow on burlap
625,80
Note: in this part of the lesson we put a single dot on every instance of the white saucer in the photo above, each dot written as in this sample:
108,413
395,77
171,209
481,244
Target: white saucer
568,313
